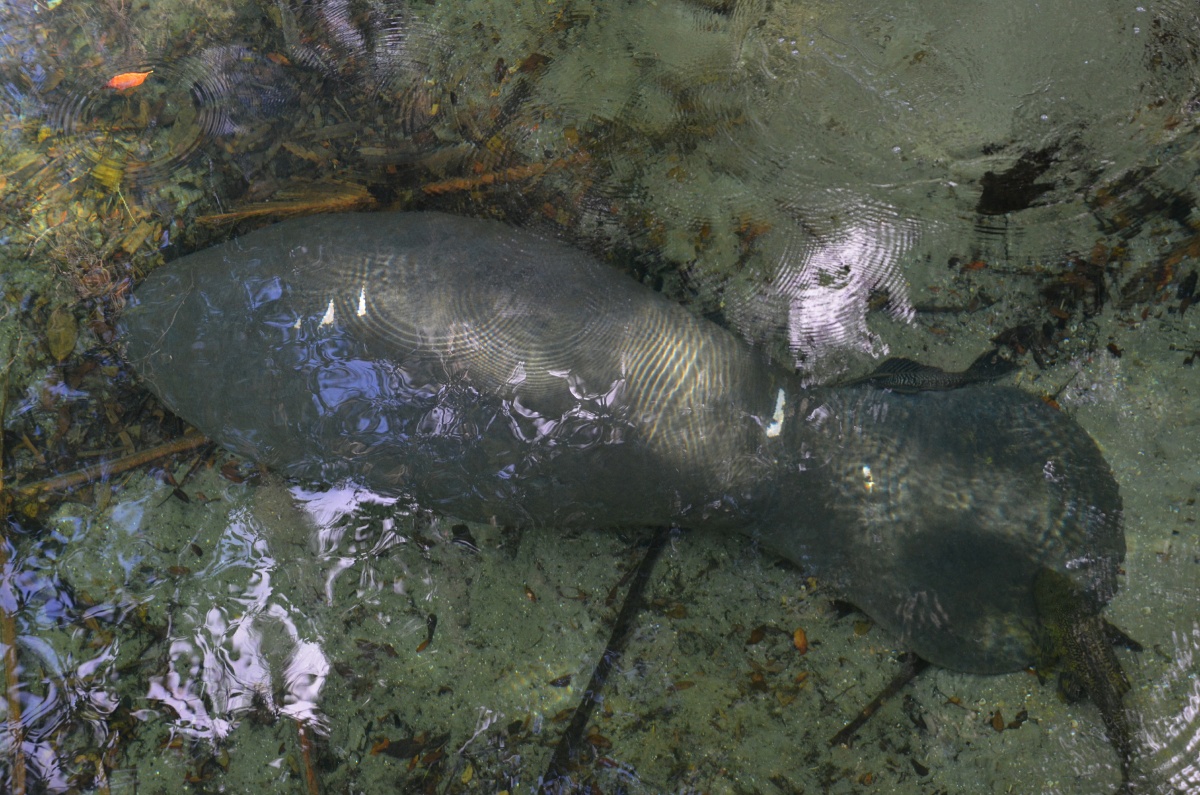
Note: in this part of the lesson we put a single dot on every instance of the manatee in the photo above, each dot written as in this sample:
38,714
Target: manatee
491,374
905,375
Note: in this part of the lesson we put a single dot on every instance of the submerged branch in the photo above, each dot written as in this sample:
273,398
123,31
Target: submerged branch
105,469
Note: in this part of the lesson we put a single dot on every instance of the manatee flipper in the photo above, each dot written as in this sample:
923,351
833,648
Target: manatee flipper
1076,638
1118,637
905,375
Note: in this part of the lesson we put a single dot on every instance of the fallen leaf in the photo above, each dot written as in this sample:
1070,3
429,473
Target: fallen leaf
61,333
127,80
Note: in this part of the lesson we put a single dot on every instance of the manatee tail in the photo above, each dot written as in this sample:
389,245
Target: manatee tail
1080,641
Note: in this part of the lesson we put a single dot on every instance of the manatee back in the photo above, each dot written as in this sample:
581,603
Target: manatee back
480,369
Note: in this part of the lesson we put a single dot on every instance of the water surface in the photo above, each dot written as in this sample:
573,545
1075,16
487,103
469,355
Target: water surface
836,185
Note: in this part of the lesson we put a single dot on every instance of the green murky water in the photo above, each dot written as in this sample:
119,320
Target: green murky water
919,179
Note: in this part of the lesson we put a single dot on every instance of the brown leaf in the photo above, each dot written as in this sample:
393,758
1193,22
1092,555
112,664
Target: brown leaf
61,333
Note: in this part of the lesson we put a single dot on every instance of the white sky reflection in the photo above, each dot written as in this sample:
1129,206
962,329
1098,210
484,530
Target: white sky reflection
828,283
247,653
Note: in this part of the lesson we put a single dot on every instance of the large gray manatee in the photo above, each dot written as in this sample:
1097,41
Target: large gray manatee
489,373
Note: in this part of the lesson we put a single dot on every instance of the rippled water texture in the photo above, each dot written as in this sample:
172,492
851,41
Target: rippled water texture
832,182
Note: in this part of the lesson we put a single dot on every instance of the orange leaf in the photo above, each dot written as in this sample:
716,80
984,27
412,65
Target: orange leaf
128,80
